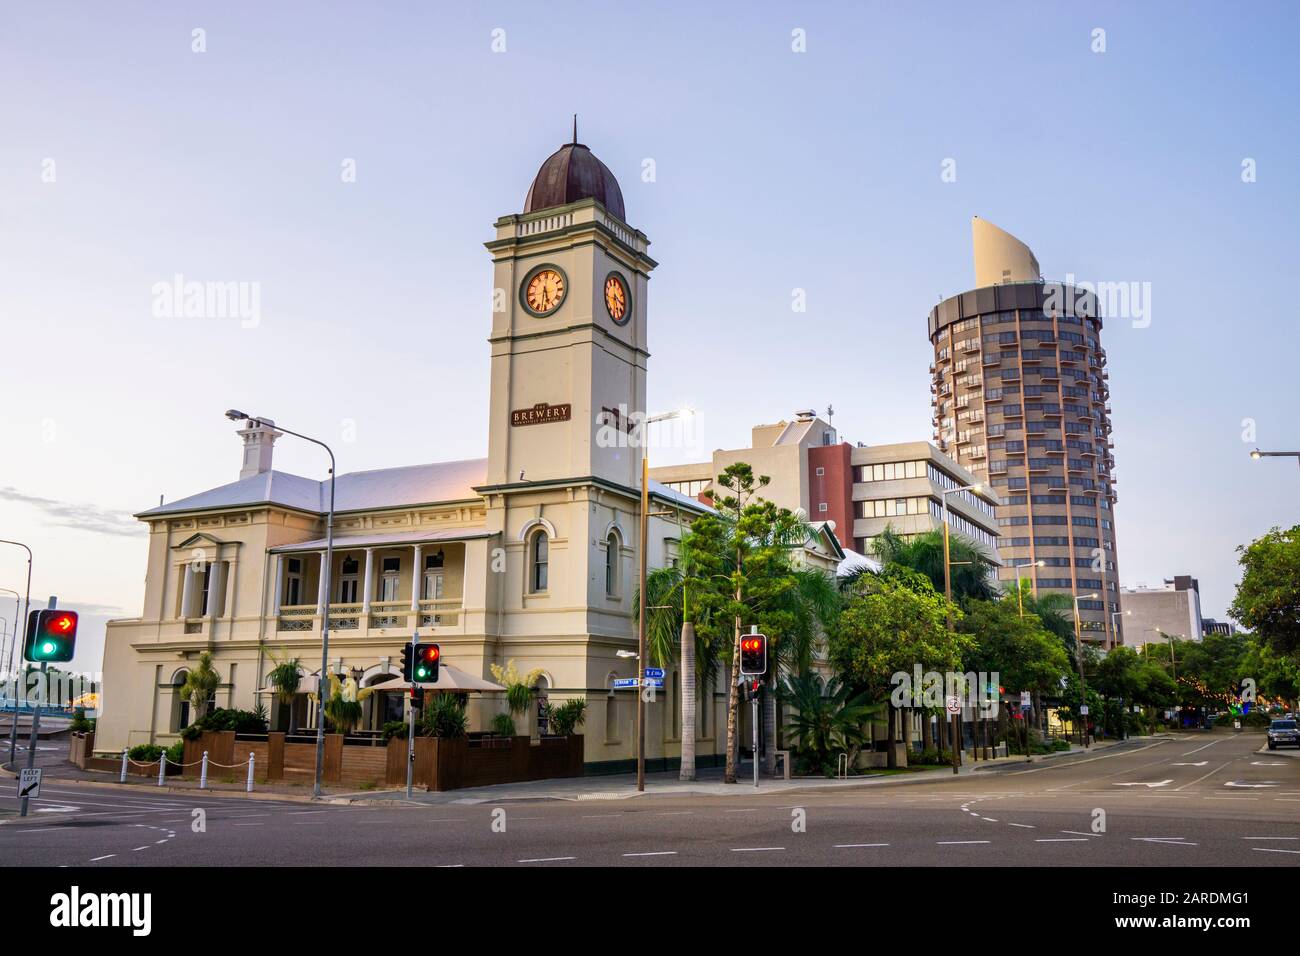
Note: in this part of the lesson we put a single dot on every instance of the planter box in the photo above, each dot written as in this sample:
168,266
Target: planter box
453,764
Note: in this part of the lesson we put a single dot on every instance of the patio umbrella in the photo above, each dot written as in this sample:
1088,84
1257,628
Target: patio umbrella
450,678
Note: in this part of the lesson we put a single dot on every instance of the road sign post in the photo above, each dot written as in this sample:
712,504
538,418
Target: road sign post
29,784
410,732
952,704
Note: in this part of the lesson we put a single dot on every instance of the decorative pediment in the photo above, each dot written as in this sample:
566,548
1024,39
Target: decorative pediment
202,539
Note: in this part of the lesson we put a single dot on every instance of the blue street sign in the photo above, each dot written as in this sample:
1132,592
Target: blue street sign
654,672
621,683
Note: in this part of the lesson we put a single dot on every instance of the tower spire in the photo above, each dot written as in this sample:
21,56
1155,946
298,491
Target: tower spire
575,129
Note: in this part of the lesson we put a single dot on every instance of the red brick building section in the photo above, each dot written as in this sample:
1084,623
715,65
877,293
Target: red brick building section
830,482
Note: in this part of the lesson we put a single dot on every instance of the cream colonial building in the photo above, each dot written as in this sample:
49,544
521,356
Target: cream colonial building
528,555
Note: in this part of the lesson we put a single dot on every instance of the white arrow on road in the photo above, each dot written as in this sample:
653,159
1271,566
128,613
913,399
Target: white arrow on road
1139,784
1252,786
1199,763
1266,763
58,808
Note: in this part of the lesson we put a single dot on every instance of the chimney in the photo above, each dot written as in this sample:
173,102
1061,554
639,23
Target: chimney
259,443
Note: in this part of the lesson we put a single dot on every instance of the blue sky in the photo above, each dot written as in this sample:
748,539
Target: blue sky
774,170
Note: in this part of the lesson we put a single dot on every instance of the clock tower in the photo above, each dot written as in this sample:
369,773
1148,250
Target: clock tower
568,330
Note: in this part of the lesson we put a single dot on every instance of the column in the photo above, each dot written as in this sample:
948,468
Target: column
322,596
416,573
368,587
217,590
278,596
187,589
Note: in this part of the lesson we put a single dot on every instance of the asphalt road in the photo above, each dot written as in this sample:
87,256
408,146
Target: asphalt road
1181,800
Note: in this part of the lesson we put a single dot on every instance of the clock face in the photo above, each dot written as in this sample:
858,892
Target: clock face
544,291
616,298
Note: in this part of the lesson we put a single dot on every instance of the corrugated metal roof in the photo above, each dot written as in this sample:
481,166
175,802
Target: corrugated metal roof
357,491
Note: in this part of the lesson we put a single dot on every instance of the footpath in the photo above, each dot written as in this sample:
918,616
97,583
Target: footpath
606,787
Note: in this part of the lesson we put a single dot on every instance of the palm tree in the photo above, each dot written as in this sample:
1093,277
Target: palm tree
667,601
286,677
200,684
828,717
969,568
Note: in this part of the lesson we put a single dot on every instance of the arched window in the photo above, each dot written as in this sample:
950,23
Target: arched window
180,703
539,552
612,564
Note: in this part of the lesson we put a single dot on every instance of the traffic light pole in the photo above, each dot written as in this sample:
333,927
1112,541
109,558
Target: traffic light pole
410,734
754,694
36,721
13,729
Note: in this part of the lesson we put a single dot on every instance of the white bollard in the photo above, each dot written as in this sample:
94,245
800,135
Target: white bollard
249,788
122,778
203,772
162,768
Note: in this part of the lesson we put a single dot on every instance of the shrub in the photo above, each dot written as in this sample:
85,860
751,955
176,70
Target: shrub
504,725
240,721
445,717
176,752
930,756
145,753
80,724
568,717
395,728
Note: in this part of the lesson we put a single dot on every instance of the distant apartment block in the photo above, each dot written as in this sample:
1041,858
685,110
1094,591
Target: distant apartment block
1153,614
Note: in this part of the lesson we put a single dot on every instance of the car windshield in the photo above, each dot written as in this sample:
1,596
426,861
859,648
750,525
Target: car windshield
1284,725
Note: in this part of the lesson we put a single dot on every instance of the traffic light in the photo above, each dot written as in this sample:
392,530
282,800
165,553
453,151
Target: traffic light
753,655
406,663
51,636
427,657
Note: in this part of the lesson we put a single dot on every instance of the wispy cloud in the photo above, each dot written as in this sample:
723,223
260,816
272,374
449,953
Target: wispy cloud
83,517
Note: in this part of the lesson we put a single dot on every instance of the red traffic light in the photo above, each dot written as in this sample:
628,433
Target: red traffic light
51,636
753,655
429,652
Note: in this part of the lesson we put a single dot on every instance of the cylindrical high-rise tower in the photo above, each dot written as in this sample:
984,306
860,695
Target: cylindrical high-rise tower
1021,400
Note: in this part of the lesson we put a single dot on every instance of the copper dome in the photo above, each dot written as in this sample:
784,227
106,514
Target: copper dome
572,173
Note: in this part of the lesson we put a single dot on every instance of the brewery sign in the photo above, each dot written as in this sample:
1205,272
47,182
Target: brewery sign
540,414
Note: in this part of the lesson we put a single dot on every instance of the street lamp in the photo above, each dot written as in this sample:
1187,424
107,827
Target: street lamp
235,415
27,597
644,558
1078,657
1114,628
1257,455
947,593
1020,591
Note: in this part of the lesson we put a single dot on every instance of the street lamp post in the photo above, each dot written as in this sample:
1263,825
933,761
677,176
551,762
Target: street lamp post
642,570
1020,590
1257,455
235,415
13,728
1078,657
947,593
1114,627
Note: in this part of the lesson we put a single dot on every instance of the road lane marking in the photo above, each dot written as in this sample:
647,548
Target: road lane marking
140,848
654,853
547,859
1272,849
756,849
1199,749
989,819
1079,833
749,810
849,846
106,856
1210,774
1271,838
1026,826
1061,840
958,842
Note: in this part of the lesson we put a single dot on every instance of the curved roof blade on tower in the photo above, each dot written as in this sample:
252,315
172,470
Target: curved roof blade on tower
999,256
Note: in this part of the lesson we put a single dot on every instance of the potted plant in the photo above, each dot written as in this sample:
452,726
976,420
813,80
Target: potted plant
285,678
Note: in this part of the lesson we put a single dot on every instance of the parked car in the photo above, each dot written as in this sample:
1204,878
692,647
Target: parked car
1282,732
